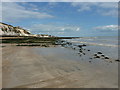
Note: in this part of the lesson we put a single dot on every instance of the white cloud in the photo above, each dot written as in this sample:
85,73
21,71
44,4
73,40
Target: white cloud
60,0
13,12
53,28
52,3
107,28
82,6
103,8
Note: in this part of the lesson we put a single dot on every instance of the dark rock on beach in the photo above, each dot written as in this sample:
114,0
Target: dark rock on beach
106,57
90,61
95,54
99,52
103,55
84,45
83,53
80,46
117,60
97,57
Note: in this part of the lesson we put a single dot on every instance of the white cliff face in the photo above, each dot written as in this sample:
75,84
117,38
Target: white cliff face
6,29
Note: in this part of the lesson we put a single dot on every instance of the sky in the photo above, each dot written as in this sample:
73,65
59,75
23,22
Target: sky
63,18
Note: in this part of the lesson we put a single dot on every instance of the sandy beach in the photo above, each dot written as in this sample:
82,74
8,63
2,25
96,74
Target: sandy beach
54,67
59,44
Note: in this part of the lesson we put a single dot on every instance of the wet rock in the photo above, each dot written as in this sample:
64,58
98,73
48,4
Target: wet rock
88,50
80,46
84,45
69,43
62,41
73,48
117,60
90,61
3,46
106,57
80,49
103,55
95,54
97,57
83,53
99,52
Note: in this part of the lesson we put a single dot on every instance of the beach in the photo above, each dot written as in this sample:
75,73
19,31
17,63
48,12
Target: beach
54,67
59,44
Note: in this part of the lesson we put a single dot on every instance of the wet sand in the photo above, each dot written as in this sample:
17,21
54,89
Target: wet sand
56,67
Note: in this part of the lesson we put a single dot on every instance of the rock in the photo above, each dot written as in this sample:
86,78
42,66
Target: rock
99,52
106,57
68,43
80,46
95,54
97,57
74,48
117,60
90,58
88,50
3,46
80,49
103,55
90,61
83,53
84,45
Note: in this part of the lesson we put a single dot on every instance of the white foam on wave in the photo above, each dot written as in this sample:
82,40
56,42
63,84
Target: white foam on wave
99,44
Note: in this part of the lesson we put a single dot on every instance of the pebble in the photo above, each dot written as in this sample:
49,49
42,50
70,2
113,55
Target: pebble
83,53
84,45
117,60
90,61
74,48
97,57
95,54
79,46
106,57
99,52
80,51
103,55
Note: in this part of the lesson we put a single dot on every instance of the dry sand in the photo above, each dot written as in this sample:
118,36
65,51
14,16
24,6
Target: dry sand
24,67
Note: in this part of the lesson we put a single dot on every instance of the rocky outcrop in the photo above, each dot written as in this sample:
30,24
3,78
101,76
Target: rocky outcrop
6,29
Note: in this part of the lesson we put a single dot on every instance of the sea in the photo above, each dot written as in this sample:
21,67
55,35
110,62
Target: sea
108,45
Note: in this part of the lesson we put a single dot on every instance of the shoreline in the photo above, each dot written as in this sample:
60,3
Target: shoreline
54,67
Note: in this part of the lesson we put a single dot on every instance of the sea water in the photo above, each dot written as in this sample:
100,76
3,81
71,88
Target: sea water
108,45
